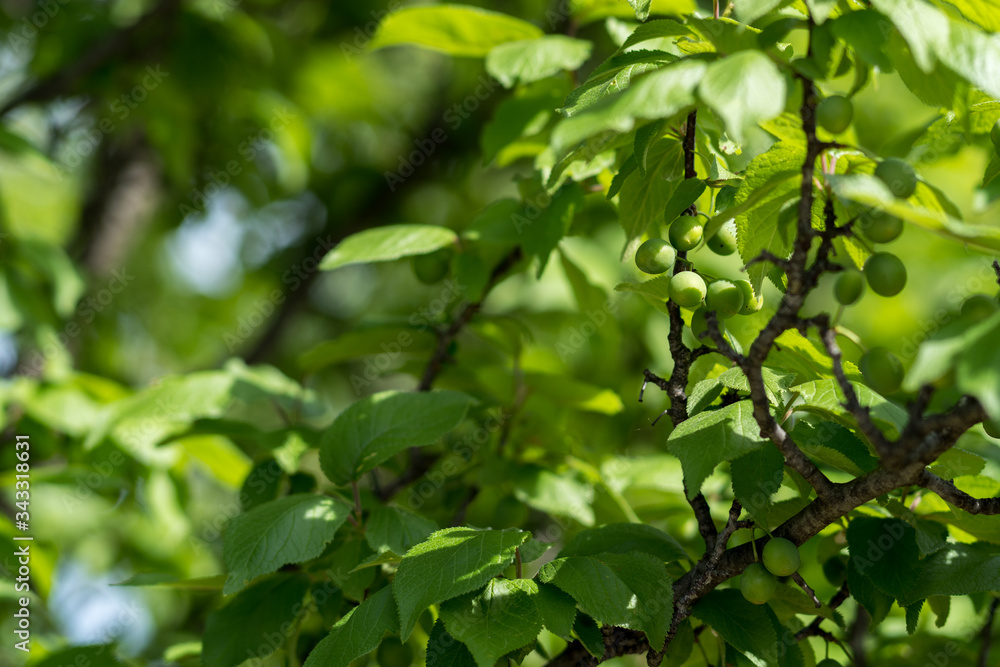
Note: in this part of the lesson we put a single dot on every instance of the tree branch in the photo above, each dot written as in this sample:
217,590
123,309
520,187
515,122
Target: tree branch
958,498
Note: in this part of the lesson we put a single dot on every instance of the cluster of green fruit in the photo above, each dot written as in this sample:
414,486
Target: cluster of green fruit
884,272
760,580
688,289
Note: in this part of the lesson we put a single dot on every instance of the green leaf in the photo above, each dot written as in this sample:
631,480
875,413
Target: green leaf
443,650
623,538
388,340
643,197
770,181
358,633
396,529
559,495
775,382
913,616
756,477
744,89
557,610
530,60
710,437
748,11
794,352
660,94
656,291
687,193
268,607
457,30
542,233
868,596
867,190
512,132
957,463
923,26
631,590
451,562
741,623
92,656
982,12
589,634
641,8
377,427
834,445
383,244
292,529
820,9
823,397
501,618
577,394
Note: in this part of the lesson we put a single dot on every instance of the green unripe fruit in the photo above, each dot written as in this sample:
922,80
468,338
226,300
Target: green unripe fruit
995,136
394,653
509,513
432,267
850,287
882,370
898,175
699,325
883,229
834,114
685,232
724,241
828,662
724,298
978,307
992,428
752,303
655,256
781,557
687,289
757,584
835,570
885,273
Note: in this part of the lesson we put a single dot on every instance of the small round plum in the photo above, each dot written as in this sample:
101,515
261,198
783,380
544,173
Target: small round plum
655,256
757,584
834,114
687,289
882,370
781,557
724,241
724,298
992,428
898,175
850,287
979,306
432,267
883,228
885,273
685,232
752,303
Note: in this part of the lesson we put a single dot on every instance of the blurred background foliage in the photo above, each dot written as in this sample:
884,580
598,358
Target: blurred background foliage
169,175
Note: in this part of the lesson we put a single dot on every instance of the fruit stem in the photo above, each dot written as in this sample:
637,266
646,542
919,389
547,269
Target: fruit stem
753,542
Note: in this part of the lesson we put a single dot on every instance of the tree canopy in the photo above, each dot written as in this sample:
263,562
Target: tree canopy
552,333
